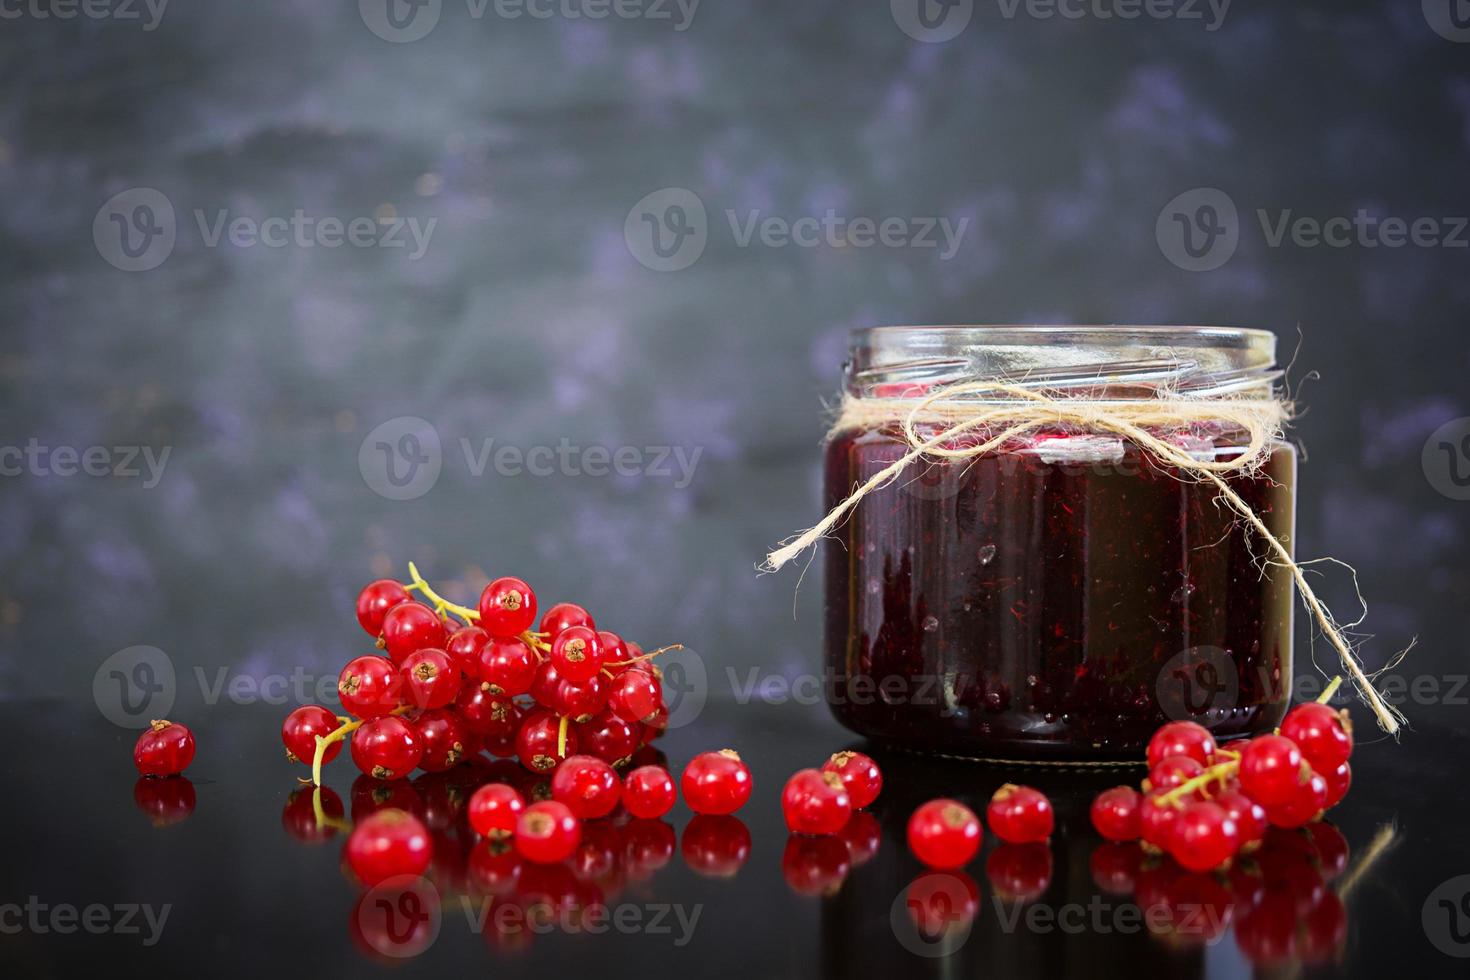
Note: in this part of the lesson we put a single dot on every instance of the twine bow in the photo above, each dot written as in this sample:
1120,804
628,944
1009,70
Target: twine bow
1005,412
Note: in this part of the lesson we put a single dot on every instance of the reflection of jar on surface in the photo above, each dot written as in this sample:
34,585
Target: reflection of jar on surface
1063,595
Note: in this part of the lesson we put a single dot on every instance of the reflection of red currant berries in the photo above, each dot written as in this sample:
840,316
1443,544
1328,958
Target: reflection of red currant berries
648,791
429,679
412,626
300,730
387,844
1271,769
508,666
495,866
1019,872
1114,867
168,801
565,614
507,607
815,802
386,748
715,782
374,601
464,647
715,846
547,832
577,653
538,741
1325,736
863,835
635,694
1204,836
369,686
815,865
164,749
1115,813
1184,738
648,846
494,809
587,785
1020,815
442,738
944,833
860,774
940,902
299,815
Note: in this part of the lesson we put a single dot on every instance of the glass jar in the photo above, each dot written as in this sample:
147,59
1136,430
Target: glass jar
1061,597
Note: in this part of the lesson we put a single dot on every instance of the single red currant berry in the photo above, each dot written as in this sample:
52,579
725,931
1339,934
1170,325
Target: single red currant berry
507,607
386,748
1325,736
300,730
412,626
944,833
1204,836
1020,815
465,647
508,666
547,832
1339,781
1156,822
429,679
544,687
608,737
538,742
1304,805
648,792
716,783
1182,738
565,614
1249,817
859,774
387,844
815,802
577,653
614,652
164,749
374,601
635,695
587,785
443,739
486,714
369,686
581,700
1271,770
655,724
715,846
494,809
1115,813
1171,772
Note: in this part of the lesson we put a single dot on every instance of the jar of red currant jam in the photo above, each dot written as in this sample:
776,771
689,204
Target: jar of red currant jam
1062,595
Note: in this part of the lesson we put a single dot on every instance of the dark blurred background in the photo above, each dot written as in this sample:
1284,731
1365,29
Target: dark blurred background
504,285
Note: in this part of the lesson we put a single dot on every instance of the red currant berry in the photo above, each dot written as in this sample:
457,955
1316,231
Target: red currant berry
1204,836
716,783
544,687
386,748
507,607
648,792
1182,738
815,802
859,774
581,700
547,832
374,601
164,749
1115,813
442,738
587,785
1304,805
1156,822
944,833
715,846
369,686
387,844
1019,872
412,626
815,866
1271,769
508,666
1249,816
1020,815
608,737
614,652
1325,736
464,647
655,724
577,653
494,809
486,714
1171,772
1339,781
429,679
565,614
635,695
300,730
538,742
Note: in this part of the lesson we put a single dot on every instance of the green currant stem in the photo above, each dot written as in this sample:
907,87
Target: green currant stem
561,738
337,735
440,603
1219,772
646,656
1331,690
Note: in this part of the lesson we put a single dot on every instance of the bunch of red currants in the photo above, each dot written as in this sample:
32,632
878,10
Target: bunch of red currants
1203,803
